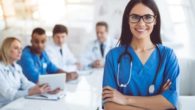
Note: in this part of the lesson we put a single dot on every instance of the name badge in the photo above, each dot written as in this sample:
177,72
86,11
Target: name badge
44,65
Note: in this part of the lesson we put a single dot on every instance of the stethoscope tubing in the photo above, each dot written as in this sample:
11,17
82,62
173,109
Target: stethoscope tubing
126,52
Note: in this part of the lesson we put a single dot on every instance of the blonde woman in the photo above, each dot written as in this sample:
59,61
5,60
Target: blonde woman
13,83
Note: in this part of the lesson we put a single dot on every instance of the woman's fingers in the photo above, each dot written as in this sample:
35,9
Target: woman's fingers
44,85
105,96
108,92
57,90
45,88
108,100
108,88
166,85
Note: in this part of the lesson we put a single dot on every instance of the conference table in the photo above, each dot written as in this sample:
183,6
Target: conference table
84,94
187,103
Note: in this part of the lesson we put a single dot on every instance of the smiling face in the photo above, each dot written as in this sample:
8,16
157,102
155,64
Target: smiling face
141,29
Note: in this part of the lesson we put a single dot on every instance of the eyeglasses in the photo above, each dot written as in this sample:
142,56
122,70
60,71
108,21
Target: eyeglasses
134,18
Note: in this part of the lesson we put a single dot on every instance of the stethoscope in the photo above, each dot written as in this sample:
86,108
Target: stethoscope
151,88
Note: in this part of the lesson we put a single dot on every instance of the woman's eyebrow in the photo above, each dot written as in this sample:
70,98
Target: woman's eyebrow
140,15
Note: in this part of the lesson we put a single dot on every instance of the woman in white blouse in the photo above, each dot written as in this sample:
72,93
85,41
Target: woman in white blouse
13,83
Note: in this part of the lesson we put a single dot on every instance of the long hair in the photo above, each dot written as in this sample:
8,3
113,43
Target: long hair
126,34
5,49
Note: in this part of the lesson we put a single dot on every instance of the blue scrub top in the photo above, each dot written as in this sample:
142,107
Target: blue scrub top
33,65
143,75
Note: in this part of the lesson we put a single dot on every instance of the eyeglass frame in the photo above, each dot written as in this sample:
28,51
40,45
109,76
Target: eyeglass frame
142,17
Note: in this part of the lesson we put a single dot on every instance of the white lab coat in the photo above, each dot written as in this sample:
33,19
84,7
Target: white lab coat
13,84
93,52
66,61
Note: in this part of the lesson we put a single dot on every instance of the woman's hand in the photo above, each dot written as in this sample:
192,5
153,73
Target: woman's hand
112,95
166,86
55,91
39,89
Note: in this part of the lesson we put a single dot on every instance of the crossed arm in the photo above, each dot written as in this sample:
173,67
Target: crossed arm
114,100
140,103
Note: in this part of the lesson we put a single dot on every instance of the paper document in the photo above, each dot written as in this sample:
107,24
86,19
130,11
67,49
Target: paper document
47,96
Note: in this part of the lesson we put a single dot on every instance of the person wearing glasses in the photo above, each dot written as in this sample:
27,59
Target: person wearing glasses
141,73
13,82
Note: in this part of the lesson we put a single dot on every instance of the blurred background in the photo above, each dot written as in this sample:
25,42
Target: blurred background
19,17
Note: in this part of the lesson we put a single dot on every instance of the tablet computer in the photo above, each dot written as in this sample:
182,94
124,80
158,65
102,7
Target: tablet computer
53,80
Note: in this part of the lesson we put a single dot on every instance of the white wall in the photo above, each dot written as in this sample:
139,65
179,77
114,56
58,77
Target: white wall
80,34
187,76
111,11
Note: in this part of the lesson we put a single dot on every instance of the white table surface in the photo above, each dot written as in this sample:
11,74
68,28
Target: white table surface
85,95
187,103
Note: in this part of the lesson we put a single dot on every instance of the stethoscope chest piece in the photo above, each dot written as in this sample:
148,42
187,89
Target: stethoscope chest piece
123,85
151,89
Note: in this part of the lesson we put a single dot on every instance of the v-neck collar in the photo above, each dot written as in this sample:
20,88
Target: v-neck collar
148,62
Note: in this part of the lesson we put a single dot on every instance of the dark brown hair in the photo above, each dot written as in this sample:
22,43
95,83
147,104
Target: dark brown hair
38,30
59,28
126,35
102,23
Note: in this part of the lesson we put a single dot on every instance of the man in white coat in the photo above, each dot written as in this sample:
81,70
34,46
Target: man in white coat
97,50
58,51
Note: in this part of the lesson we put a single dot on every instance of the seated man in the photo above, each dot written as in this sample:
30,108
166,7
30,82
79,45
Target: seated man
97,50
58,50
34,60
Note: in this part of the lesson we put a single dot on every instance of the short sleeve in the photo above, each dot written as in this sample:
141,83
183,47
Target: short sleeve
172,72
51,67
28,67
109,78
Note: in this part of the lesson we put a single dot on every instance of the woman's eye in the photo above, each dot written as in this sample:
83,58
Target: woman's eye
135,17
148,17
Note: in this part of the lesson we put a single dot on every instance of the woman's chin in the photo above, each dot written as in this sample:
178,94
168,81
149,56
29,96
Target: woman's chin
140,37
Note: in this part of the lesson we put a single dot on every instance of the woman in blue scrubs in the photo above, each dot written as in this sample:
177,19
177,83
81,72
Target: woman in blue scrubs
140,73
